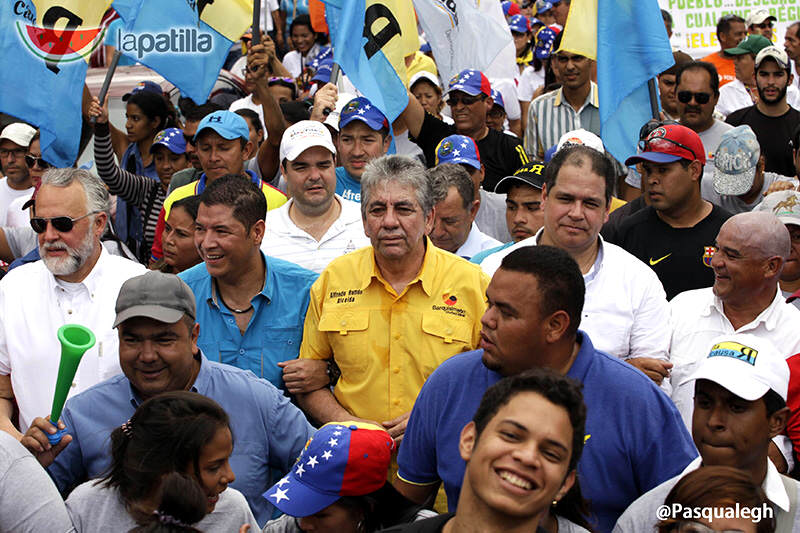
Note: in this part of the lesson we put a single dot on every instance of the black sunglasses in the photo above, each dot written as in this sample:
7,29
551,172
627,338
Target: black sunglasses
464,99
31,161
685,97
61,224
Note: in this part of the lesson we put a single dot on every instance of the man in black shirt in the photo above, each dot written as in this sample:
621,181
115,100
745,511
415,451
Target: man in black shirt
771,118
676,233
469,98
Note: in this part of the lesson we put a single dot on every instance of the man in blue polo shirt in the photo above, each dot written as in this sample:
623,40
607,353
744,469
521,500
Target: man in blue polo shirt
250,307
635,438
363,136
158,353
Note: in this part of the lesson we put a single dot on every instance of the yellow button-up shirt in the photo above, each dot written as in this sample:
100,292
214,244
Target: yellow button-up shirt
386,345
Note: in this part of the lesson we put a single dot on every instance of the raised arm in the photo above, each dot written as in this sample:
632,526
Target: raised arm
259,58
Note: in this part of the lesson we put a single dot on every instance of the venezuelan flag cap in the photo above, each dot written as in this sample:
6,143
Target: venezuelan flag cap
341,459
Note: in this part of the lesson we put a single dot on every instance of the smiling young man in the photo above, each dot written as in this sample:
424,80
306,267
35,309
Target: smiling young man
158,352
772,119
672,234
250,306
740,392
316,225
634,437
521,449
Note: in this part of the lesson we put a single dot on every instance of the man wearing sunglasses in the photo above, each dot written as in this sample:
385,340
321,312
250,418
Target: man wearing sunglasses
14,142
470,99
760,22
76,281
697,91
772,118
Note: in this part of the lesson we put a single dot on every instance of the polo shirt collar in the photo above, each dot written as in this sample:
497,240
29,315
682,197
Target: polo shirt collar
580,366
200,385
772,485
200,184
267,290
768,316
93,280
425,276
591,98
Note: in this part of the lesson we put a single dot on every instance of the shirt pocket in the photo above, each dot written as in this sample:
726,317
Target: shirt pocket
281,344
446,336
348,334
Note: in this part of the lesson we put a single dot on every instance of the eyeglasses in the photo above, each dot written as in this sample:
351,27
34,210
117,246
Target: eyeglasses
697,527
245,70
685,97
763,25
657,145
60,224
18,152
463,99
32,161
274,79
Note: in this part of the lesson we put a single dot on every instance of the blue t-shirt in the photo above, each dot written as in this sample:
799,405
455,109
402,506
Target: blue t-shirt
635,438
269,432
347,186
480,256
275,329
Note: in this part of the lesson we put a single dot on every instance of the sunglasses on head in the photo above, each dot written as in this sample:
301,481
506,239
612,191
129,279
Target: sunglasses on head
657,145
464,99
32,161
685,97
60,224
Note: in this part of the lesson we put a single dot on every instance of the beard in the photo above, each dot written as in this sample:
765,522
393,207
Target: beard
775,100
75,258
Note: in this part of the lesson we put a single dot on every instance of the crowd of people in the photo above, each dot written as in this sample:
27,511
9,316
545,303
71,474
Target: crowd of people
471,319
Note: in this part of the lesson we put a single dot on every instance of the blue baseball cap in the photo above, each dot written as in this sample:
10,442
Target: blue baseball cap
458,149
341,459
470,81
425,48
550,152
323,73
228,124
144,86
510,8
172,138
544,42
498,99
543,6
519,24
360,108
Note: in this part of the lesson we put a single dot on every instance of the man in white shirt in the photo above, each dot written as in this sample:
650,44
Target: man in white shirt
76,281
626,307
751,251
454,227
316,225
740,392
14,142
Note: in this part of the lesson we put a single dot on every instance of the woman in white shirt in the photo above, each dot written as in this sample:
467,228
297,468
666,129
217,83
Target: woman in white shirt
306,43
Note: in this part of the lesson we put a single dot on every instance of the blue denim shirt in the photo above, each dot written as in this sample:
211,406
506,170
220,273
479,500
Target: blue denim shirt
269,432
275,329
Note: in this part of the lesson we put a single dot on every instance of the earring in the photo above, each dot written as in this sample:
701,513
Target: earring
555,502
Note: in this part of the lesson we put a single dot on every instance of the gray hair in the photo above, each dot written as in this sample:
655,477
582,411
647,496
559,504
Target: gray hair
448,175
764,233
93,187
399,169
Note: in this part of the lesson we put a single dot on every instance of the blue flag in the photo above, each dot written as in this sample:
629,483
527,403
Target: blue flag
632,47
49,67
374,62
186,41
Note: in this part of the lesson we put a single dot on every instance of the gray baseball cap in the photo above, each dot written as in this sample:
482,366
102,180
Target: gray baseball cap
735,161
156,295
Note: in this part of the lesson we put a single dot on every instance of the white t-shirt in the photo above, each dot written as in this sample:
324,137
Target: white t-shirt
529,81
711,139
734,95
267,7
247,103
8,195
16,217
508,88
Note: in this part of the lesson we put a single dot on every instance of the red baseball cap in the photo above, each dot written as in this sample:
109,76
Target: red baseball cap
670,143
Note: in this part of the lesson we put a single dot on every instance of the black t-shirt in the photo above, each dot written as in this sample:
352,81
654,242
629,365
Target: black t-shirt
680,257
773,134
615,219
501,154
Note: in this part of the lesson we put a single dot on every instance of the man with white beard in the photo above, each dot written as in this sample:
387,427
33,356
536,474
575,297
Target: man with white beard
76,282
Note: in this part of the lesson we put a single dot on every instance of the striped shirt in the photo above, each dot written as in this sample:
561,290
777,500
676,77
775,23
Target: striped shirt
550,116
139,191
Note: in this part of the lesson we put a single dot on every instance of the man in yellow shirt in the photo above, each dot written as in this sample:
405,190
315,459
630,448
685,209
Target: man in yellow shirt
389,314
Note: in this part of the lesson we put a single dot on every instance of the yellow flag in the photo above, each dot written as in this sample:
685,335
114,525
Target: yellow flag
229,17
580,31
407,42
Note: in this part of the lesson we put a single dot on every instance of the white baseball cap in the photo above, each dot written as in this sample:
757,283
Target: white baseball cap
301,136
19,133
746,365
758,17
581,137
778,54
783,204
425,75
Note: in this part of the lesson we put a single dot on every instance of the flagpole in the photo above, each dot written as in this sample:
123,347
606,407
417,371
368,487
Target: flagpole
651,85
335,73
256,21
107,82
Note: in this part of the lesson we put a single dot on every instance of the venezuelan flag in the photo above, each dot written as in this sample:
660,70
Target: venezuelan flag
630,44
